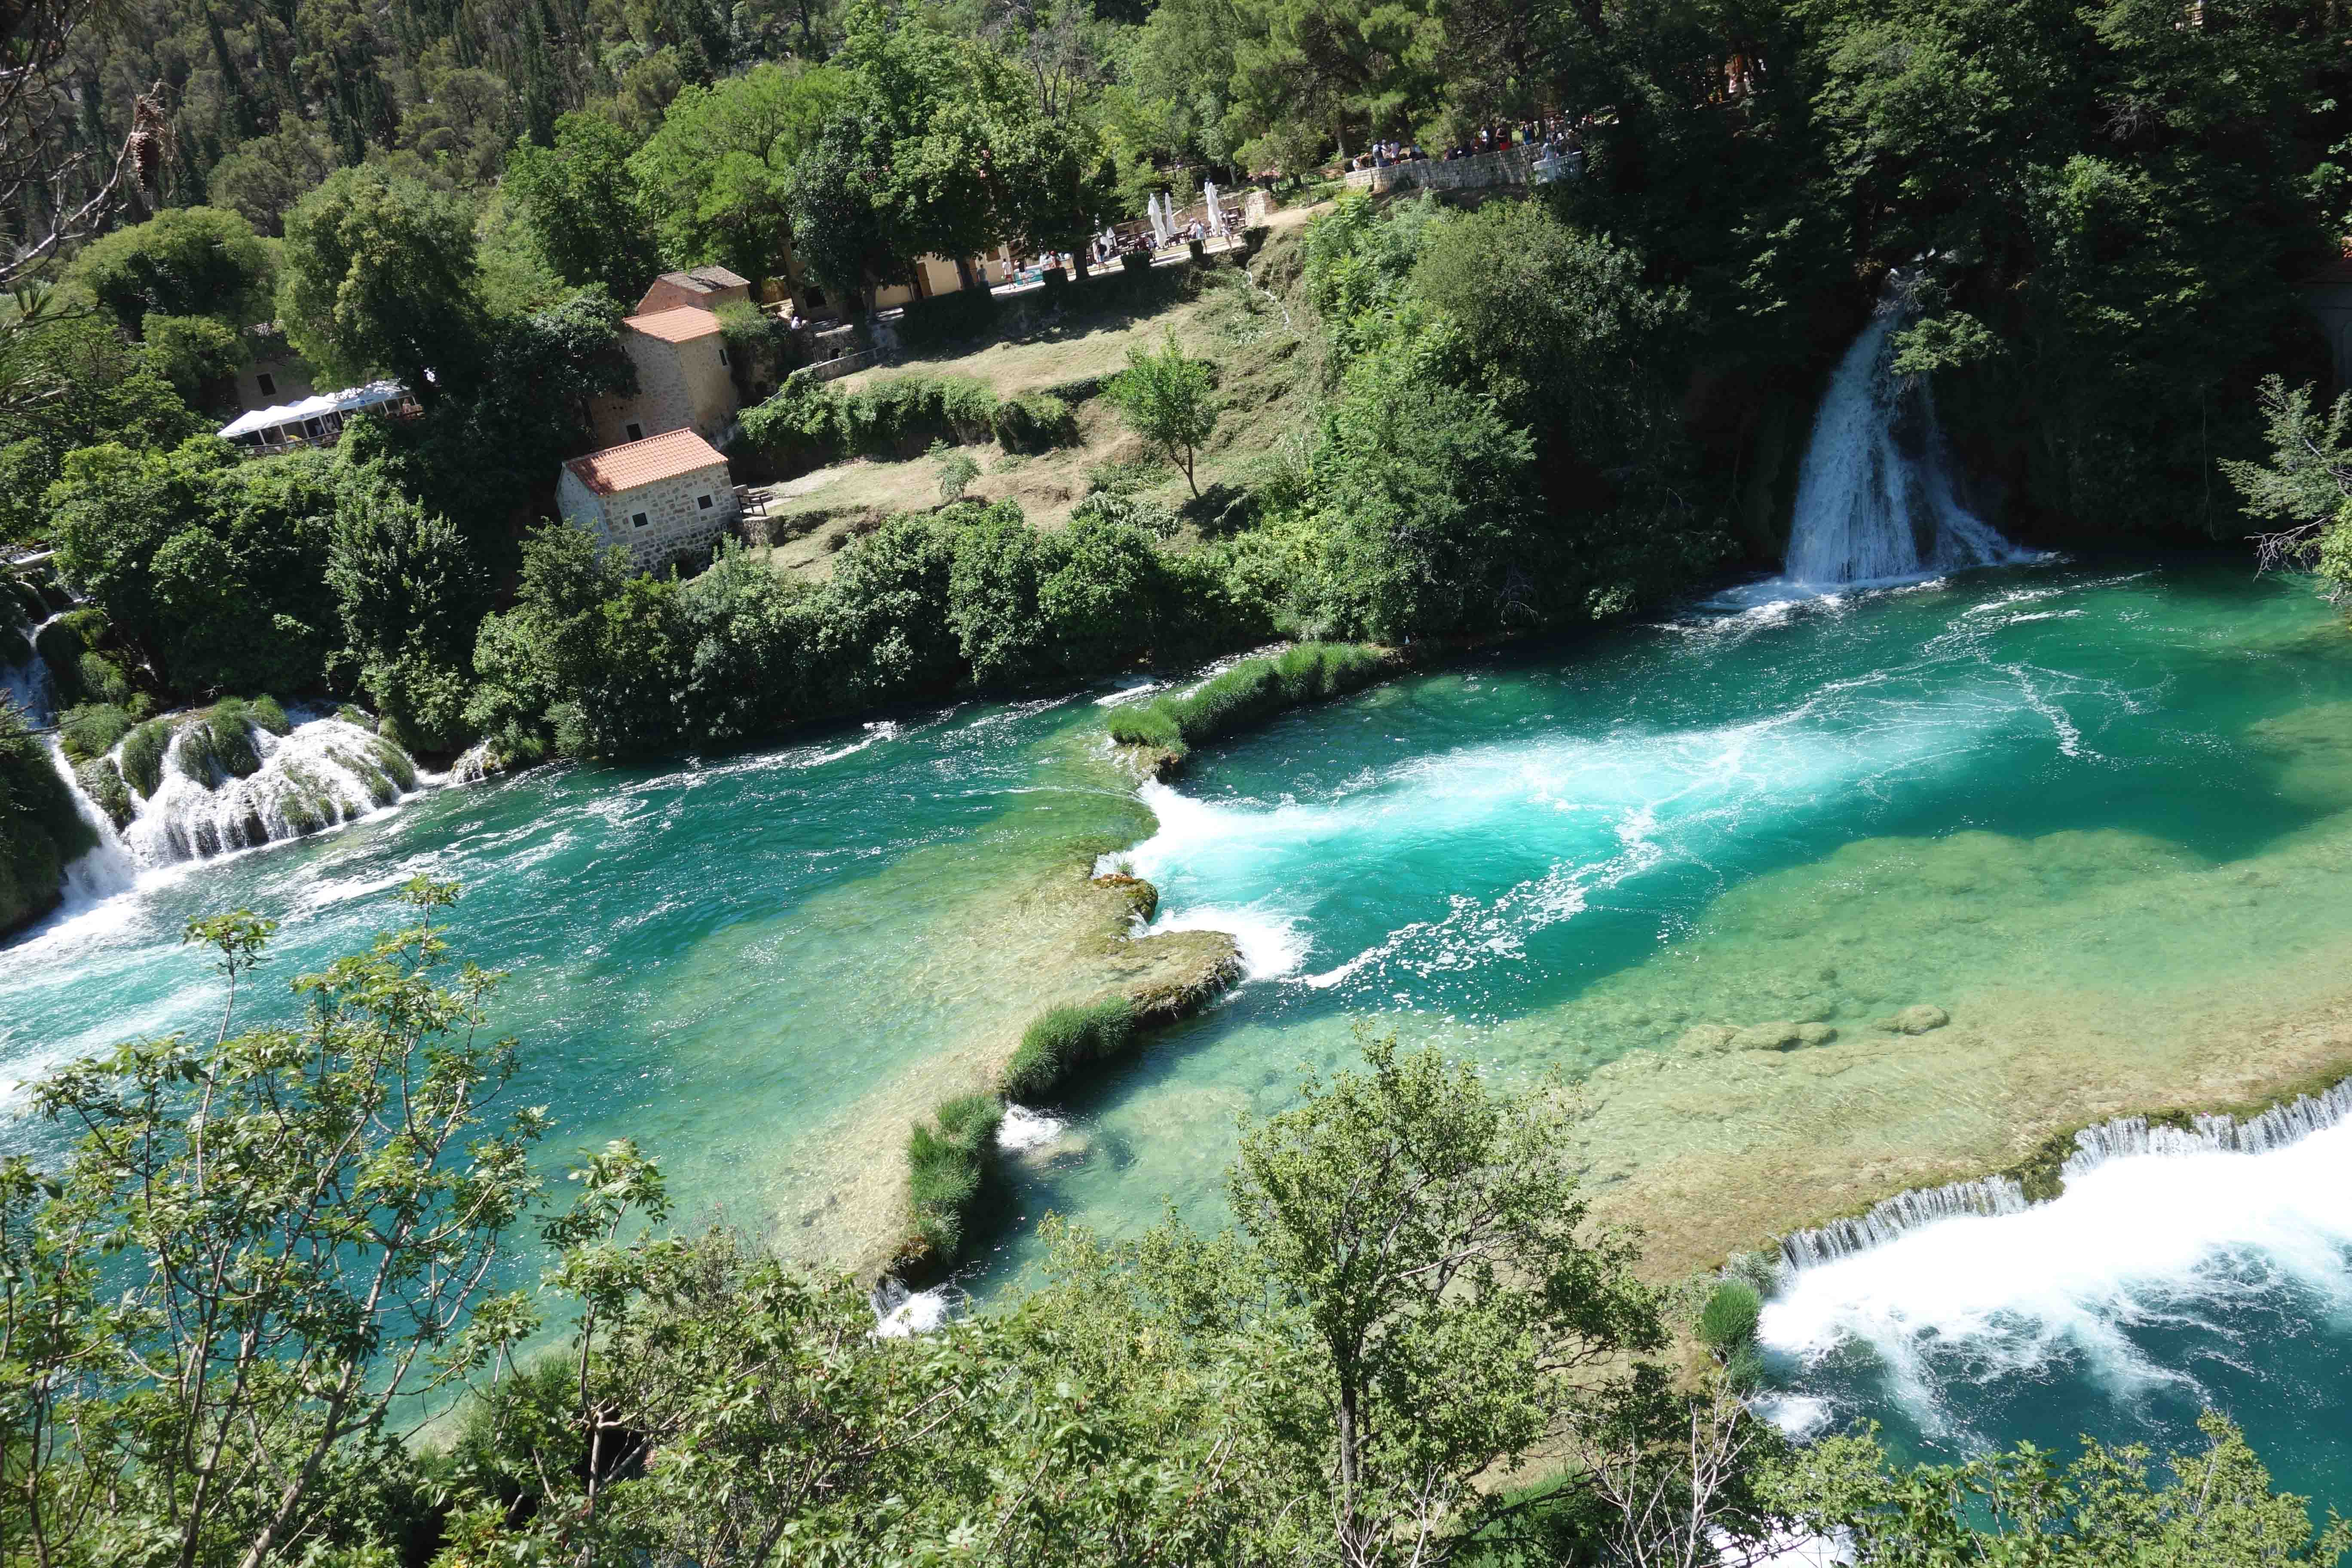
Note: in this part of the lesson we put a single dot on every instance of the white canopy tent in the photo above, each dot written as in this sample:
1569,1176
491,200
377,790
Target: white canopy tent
349,400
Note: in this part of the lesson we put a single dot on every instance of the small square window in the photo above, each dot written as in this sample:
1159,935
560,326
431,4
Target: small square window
635,431
702,503
267,382
638,519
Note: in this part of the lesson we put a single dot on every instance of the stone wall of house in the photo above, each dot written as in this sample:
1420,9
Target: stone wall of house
680,386
676,518
289,381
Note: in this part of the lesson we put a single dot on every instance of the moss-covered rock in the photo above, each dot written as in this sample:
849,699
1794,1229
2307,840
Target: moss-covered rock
101,781
41,830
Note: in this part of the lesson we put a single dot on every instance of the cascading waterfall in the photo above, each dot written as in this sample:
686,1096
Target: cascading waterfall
325,771
24,676
1903,1211
2124,1137
1876,498
2281,1125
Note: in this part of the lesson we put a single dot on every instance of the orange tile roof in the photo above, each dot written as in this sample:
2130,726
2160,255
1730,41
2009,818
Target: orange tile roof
680,324
636,463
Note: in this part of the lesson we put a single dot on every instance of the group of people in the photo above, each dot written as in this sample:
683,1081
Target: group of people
1552,137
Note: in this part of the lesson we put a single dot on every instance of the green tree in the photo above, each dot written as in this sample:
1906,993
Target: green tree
312,1212
1454,1298
2306,484
410,591
1426,493
69,382
212,570
582,200
2112,1508
377,276
715,175
184,261
1170,399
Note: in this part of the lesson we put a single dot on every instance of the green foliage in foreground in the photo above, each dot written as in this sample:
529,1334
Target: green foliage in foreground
1249,693
2112,1508
1060,1042
947,1165
2304,486
273,1243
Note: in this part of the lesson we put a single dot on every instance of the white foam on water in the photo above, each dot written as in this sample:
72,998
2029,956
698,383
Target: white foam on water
901,1314
1271,944
1590,812
1023,1130
1131,691
2134,1238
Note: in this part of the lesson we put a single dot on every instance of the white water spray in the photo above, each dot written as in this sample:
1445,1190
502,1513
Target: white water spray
1875,499
2162,1224
325,772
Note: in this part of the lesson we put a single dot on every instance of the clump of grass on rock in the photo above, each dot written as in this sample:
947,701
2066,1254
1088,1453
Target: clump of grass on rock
947,1165
1062,1041
1250,692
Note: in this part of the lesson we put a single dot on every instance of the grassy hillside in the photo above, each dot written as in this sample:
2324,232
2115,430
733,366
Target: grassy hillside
1250,325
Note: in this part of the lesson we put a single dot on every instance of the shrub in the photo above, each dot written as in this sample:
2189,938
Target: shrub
268,713
102,680
1036,422
1059,1043
946,1169
143,755
103,782
92,730
1170,399
1248,693
218,744
1727,1324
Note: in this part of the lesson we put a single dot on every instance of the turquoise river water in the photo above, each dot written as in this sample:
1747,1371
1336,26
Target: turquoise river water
2101,813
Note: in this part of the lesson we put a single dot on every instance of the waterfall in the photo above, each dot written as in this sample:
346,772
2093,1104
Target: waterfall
2274,1129
1903,1211
1875,500
24,676
2124,1137
107,867
325,771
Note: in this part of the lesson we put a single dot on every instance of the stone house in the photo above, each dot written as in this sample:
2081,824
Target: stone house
659,498
705,288
686,379
272,375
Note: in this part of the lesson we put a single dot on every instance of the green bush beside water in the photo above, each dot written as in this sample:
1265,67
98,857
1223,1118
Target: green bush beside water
40,830
143,755
1065,1039
947,1167
1250,692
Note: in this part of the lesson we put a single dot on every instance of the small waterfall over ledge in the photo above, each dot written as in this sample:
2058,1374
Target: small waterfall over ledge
1876,498
208,795
2120,1138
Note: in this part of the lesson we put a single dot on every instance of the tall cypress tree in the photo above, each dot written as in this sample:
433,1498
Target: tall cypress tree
243,117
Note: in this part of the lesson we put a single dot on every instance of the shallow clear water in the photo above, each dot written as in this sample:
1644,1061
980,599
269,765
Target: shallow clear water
2097,813
2088,810
720,959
